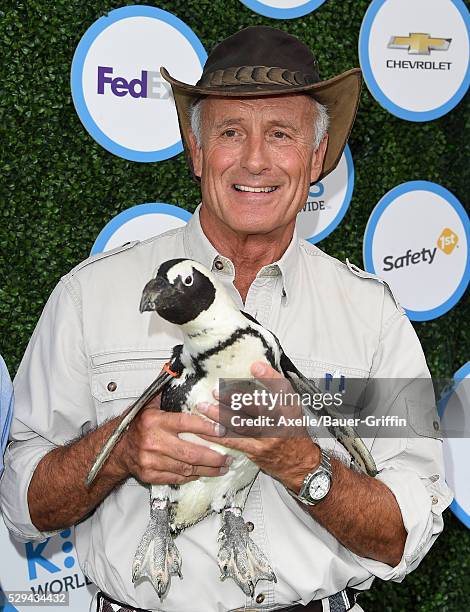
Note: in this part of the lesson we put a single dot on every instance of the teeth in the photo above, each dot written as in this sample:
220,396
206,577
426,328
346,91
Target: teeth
254,189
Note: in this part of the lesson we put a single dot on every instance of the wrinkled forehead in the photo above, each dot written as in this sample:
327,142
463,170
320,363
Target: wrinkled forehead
294,106
184,269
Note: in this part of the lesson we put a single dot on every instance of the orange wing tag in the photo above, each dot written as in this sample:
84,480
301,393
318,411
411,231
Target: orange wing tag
166,367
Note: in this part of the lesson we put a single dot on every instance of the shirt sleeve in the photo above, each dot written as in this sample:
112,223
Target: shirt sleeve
53,405
6,408
411,465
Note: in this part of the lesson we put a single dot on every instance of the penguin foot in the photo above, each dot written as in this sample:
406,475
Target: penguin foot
157,557
239,557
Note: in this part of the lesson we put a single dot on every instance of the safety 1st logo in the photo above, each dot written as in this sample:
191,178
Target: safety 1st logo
446,242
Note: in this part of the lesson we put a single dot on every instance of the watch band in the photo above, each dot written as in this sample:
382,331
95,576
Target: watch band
325,468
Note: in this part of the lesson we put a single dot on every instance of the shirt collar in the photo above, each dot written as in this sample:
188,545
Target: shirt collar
197,245
199,248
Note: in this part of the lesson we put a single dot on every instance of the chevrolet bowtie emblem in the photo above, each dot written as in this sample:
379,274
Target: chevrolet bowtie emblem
418,43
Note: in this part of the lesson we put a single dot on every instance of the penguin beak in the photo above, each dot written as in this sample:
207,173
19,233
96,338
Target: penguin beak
151,294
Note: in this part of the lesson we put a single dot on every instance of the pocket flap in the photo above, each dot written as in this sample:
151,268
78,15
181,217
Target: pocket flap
423,419
127,378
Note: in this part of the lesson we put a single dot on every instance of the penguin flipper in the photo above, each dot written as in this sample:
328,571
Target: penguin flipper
346,435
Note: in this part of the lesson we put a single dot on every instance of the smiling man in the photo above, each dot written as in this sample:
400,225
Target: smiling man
256,159
256,133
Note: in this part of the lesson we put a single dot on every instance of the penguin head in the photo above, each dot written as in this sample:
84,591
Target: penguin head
181,291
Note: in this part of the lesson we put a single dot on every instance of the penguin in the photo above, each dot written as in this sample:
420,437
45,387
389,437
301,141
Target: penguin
219,340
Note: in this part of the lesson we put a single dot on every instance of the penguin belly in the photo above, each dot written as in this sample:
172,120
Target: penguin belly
199,498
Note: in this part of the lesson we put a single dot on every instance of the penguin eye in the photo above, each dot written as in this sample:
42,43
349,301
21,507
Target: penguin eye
188,281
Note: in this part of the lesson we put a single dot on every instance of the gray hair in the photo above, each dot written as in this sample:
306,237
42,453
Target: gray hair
321,121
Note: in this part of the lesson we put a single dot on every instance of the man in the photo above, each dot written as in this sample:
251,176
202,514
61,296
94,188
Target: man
255,134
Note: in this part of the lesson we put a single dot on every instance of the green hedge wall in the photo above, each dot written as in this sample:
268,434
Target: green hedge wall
59,188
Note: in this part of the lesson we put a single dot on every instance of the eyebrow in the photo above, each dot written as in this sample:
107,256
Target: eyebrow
272,122
227,121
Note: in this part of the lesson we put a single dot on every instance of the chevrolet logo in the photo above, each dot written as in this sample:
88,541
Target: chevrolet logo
418,43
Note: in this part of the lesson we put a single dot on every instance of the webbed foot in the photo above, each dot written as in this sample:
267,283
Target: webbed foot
239,557
157,557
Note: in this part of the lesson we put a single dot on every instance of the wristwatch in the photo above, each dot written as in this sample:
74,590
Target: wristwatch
316,484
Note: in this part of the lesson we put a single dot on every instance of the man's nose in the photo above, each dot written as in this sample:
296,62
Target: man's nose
255,156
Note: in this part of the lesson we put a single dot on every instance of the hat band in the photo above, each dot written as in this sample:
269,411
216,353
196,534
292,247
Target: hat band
256,75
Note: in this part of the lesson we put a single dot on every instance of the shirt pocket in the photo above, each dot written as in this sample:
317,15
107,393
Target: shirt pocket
335,378
118,379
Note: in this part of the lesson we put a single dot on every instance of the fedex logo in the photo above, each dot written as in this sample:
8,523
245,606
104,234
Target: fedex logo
150,84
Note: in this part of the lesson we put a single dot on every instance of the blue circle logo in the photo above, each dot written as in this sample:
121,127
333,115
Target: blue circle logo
117,89
454,410
283,9
328,201
139,223
417,240
416,62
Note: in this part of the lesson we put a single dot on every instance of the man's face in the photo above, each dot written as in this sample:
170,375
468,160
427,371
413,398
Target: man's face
252,143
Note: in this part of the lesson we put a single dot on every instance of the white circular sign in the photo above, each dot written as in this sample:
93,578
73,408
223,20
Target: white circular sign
49,569
416,240
454,410
415,55
118,91
139,223
328,201
283,9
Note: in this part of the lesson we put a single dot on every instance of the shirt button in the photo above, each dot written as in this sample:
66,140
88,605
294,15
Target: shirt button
250,526
436,425
112,386
218,264
260,598
434,499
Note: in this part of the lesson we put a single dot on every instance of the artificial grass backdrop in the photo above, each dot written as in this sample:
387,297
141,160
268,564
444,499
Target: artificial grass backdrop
59,188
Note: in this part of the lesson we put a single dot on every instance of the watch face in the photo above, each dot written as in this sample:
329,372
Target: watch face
319,486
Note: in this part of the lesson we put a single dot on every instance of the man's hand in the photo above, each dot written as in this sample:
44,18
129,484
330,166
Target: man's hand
286,453
150,450
153,453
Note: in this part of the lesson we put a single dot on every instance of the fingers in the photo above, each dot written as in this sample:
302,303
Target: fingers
174,466
156,451
261,370
195,454
167,478
192,423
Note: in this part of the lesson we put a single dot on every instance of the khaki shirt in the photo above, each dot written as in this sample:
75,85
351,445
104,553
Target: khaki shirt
330,318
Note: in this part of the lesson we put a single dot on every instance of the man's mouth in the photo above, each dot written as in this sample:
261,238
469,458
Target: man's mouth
266,189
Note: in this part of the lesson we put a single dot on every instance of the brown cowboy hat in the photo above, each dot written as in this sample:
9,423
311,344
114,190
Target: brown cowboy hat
263,61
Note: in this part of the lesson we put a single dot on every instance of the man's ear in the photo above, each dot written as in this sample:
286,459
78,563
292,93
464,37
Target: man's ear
196,154
317,159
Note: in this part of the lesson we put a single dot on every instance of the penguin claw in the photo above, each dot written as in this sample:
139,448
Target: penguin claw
157,557
239,557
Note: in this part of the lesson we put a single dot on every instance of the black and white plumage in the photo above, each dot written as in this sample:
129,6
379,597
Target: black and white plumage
219,341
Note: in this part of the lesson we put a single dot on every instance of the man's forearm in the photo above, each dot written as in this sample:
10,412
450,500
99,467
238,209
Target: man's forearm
363,514
57,495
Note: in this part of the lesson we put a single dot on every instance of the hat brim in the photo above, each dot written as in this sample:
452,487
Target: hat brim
339,94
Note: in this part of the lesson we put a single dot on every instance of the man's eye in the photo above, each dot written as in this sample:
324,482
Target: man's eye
230,133
280,135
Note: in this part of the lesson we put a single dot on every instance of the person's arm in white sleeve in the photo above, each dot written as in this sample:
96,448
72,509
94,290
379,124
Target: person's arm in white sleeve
412,467
53,406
